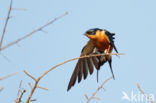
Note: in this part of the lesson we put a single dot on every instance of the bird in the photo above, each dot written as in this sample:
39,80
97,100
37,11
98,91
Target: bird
100,41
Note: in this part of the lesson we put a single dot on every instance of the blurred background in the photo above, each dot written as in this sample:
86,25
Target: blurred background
133,21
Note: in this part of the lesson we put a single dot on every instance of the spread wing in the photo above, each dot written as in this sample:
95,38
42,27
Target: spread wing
85,65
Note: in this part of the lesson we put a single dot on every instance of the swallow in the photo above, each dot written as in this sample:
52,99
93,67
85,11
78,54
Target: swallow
101,41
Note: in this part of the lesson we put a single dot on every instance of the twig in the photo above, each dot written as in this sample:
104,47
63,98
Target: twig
32,90
46,72
6,22
42,88
5,57
19,89
142,92
1,88
29,75
9,75
97,90
33,32
18,100
21,95
30,85
87,56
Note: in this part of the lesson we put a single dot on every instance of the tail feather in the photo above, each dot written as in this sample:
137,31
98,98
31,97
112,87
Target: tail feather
85,68
110,64
90,65
72,79
97,75
80,67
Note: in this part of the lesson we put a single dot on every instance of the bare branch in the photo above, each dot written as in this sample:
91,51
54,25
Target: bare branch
21,92
32,90
22,95
97,90
19,89
33,32
6,22
9,75
99,99
142,92
87,56
42,88
18,100
46,72
29,75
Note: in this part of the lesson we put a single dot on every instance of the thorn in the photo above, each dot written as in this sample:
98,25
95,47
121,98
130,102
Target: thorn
20,9
33,100
5,57
30,85
43,31
2,88
104,89
42,88
86,96
18,45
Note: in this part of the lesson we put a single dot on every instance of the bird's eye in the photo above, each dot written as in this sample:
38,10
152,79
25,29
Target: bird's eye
91,32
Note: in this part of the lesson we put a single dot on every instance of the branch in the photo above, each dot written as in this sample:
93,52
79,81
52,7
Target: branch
1,88
33,32
46,72
29,75
6,22
87,56
21,95
19,89
97,90
9,75
142,92
30,85
42,88
19,100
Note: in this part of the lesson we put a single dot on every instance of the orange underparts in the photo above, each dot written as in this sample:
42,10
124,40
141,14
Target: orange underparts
102,42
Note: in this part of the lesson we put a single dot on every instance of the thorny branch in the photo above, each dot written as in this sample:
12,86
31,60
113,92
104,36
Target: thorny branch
6,22
142,92
46,72
97,90
33,32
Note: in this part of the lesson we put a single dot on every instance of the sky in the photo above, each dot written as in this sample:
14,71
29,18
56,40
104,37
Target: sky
133,22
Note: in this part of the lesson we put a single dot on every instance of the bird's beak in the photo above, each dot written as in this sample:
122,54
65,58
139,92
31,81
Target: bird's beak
85,34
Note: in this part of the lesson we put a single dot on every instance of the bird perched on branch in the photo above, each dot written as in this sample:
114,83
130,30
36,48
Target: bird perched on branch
101,41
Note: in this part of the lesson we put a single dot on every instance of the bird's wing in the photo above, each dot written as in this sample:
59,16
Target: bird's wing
111,39
109,58
84,64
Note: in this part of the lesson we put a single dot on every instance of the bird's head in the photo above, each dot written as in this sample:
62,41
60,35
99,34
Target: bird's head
92,33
